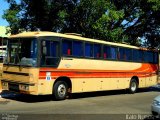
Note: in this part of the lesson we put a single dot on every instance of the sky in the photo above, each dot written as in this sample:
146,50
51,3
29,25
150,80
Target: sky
3,6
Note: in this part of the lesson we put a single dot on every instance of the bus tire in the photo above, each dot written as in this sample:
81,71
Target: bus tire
60,90
133,86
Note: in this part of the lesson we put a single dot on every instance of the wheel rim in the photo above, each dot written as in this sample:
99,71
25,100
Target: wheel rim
133,86
61,90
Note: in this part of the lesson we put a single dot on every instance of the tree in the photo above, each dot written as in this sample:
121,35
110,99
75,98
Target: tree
12,16
141,20
110,20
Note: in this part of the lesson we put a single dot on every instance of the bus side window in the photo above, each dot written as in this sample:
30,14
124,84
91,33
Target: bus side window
128,54
121,54
113,53
67,47
77,48
97,51
88,50
137,55
155,61
110,52
106,52
148,56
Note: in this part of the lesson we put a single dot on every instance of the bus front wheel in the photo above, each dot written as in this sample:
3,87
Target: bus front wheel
133,86
60,90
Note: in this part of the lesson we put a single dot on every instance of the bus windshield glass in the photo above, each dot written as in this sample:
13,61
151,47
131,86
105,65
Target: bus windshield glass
22,51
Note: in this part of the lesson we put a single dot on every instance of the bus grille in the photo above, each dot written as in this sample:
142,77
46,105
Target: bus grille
13,87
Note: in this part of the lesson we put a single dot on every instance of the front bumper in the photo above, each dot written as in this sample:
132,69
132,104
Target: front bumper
19,87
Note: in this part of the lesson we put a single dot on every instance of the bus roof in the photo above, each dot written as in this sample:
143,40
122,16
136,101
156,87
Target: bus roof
67,35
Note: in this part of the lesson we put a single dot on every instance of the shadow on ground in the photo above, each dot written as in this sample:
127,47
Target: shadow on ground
25,98
43,98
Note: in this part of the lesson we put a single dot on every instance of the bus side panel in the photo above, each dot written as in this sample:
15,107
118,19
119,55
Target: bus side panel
98,84
150,81
142,82
96,75
102,84
85,84
45,86
103,65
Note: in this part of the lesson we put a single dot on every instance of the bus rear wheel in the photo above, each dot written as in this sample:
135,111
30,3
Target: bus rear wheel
60,90
133,86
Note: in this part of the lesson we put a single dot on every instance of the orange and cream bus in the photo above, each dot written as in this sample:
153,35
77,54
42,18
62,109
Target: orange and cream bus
41,63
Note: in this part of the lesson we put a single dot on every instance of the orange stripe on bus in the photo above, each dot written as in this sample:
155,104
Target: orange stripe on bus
144,67
146,70
54,77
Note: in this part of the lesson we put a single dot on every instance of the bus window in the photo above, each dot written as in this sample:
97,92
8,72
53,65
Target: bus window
22,52
122,55
113,53
88,50
148,57
97,51
128,54
106,52
77,48
155,57
125,54
137,55
109,52
67,47
50,53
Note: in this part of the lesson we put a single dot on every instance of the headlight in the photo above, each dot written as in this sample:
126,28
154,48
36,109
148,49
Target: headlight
4,84
155,102
24,87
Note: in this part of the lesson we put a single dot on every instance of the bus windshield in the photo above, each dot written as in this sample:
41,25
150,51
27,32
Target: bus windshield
22,51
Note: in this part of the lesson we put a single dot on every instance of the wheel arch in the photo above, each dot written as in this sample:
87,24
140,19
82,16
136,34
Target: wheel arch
135,78
133,85
65,79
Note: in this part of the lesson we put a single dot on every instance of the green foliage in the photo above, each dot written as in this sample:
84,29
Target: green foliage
155,4
141,20
11,15
105,26
110,20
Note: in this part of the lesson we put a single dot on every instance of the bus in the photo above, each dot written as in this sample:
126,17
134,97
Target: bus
42,63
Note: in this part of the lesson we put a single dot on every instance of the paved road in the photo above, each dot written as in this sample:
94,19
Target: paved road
112,105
